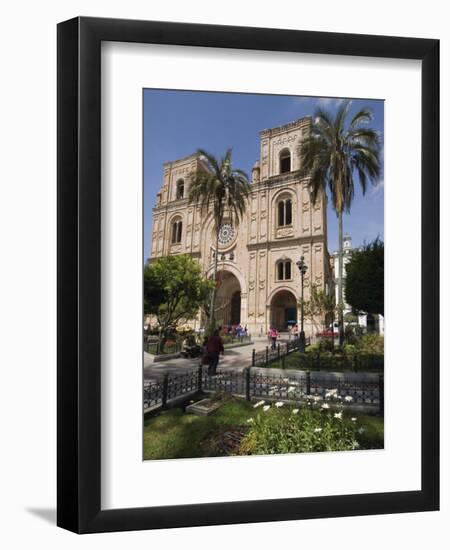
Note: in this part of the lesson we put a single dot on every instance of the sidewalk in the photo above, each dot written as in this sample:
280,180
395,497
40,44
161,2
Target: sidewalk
234,358
238,358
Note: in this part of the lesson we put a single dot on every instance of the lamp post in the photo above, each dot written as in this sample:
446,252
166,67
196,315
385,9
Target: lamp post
302,267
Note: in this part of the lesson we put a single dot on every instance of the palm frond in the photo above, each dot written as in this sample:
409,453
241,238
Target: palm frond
334,154
363,116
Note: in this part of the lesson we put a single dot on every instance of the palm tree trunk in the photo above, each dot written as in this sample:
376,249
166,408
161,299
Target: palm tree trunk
213,294
340,289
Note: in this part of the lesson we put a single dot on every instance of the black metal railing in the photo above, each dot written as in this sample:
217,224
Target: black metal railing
154,347
175,345
231,339
274,353
347,388
358,362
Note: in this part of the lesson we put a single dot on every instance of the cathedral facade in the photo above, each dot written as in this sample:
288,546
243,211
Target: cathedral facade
259,284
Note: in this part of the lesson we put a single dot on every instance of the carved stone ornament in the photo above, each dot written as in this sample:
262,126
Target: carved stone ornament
285,232
226,233
284,140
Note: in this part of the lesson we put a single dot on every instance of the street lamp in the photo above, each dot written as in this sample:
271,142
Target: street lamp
302,267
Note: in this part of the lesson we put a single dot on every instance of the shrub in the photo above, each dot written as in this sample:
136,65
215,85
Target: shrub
326,344
313,348
278,431
350,336
350,349
371,343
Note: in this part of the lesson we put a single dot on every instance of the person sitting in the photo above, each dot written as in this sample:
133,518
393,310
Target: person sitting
185,346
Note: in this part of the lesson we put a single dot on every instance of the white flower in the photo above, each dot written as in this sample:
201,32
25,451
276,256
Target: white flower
348,398
317,398
361,430
258,404
338,415
295,411
354,419
331,392
279,404
355,444
325,406
250,420
317,430
266,407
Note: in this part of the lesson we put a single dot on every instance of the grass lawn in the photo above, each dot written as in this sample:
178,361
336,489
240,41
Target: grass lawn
373,435
175,434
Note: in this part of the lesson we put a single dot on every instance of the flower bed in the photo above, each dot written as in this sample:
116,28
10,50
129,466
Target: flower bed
240,428
280,430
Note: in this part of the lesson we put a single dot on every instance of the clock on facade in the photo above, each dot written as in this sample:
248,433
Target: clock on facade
226,233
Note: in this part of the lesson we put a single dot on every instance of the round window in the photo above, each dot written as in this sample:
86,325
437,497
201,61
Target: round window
226,233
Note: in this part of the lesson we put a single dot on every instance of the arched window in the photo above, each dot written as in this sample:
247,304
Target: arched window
177,228
280,271
285,212
287,270
180,189
284,270
285,161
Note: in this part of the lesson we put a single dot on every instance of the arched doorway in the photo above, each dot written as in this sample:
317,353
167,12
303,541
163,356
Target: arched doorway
235,313
228,299
283,310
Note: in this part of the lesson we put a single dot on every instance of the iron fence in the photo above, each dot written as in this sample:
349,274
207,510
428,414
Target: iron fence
175,345
362,362
275,353
153,346
230,339
347,388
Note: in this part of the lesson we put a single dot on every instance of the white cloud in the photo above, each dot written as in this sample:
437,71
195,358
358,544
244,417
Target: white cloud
329,102
377,189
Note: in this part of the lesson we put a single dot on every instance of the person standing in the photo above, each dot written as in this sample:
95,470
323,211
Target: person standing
273,335
214,347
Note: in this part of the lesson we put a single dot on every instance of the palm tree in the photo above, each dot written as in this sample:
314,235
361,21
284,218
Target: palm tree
225,191
332,155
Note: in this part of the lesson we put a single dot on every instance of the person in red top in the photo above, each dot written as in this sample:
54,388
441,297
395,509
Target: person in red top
214,347
273,335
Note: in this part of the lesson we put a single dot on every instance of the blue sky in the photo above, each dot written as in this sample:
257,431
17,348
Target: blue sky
177,123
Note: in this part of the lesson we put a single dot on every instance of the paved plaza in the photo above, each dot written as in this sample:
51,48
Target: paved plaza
235,358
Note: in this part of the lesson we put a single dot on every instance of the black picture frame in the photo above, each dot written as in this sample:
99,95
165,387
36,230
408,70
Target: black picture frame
79,280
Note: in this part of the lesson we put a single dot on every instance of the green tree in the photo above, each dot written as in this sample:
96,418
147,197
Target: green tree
364,286
174,289
338,149
320,308
224,190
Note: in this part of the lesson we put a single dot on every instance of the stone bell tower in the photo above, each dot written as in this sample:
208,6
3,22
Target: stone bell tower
283,225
